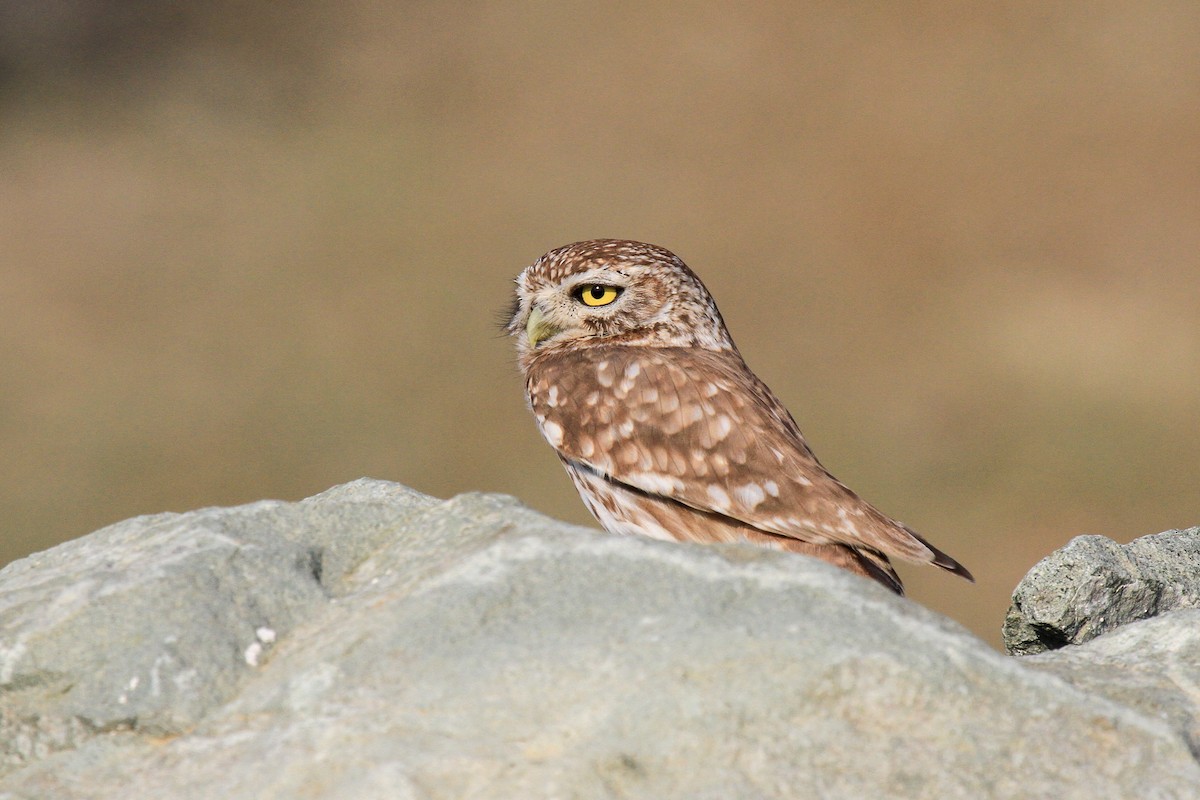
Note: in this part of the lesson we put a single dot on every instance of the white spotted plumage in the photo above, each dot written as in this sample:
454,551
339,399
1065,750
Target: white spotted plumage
663,428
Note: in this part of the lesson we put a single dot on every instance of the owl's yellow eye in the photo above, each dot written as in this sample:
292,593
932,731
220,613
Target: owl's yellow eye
597,294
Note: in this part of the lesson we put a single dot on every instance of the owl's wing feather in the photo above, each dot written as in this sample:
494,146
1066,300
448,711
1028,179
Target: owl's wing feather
697,426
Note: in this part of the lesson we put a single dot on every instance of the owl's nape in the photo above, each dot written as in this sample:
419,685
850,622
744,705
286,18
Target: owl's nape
635,382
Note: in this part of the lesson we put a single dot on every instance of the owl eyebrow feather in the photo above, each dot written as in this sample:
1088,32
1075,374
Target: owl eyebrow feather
605,276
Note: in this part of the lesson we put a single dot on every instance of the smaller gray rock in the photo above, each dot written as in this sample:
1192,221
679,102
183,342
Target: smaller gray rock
1094,585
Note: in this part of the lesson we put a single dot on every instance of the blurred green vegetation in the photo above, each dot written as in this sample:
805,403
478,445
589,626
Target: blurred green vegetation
255,251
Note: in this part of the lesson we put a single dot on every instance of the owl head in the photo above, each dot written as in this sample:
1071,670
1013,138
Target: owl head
611,291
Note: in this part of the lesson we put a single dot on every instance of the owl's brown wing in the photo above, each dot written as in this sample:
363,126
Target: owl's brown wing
698,427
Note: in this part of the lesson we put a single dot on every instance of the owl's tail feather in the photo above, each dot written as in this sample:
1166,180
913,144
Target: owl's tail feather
875,565
862,561
942,560
947,563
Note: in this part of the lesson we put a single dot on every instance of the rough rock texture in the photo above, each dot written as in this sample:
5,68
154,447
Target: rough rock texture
1094,585
1153,666
149,624
374,643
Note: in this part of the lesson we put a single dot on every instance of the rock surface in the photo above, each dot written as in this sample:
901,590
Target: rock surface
1094,585
371,642
1153,666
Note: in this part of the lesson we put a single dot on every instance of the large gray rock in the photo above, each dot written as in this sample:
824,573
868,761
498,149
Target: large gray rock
1094,585
472,648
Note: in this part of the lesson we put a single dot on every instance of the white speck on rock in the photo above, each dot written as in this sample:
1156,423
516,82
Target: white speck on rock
9,656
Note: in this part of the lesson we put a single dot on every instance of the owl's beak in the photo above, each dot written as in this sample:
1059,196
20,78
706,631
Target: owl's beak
538,329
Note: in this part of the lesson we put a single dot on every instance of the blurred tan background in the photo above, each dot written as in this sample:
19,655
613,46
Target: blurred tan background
255,251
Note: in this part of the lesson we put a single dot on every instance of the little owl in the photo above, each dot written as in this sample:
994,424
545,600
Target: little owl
636,384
